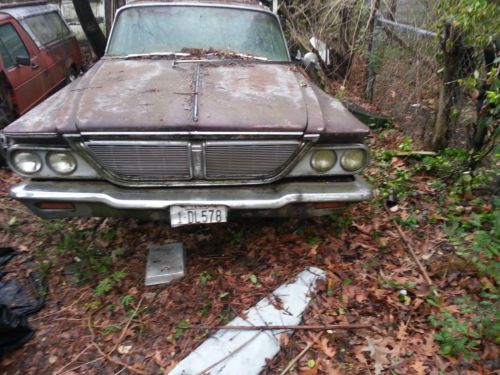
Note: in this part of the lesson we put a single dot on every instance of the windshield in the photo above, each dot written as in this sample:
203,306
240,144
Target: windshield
161,29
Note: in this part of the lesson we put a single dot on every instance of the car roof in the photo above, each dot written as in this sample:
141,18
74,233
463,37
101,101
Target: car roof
250,3
20,10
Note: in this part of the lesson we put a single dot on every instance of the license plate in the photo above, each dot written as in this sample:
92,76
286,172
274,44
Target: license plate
186,215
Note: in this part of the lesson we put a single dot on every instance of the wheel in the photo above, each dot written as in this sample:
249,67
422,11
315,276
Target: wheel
71,75
6,114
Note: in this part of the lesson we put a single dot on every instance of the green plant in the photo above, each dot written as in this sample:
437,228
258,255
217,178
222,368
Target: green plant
108,283
455,337
237,237
110,329
477,240
181,328
127,300
205,276
478,19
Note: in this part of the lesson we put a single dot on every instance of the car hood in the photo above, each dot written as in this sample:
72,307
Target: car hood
158,95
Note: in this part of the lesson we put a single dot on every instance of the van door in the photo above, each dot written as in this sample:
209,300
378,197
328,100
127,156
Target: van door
26,81
52,34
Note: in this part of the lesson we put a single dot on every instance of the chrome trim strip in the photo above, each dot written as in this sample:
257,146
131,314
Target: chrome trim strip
196,93
258,197
31,135
192,133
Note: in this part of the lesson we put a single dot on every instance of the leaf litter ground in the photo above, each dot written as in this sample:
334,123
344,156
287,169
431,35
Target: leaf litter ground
99,318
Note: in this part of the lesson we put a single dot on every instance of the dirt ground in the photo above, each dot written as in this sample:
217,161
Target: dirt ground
99,318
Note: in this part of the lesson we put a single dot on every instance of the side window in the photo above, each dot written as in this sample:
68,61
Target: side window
47,28
11,45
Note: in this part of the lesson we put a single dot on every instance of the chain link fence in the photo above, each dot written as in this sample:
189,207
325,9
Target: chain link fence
402,74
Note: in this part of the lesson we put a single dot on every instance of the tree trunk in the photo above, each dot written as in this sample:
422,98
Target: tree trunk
479,130
90,26
453,51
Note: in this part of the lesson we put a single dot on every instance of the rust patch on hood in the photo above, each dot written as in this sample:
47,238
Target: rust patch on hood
159,96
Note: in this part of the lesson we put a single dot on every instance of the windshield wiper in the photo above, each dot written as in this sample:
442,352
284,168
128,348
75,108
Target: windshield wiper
156,54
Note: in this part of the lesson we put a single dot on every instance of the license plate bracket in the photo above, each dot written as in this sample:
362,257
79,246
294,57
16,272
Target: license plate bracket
191,215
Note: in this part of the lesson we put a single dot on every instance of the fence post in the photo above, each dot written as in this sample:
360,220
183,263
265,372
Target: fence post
372,44
372,60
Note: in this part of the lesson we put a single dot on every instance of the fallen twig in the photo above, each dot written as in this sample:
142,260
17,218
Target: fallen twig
297,358
117,361
285,327
124,330
410,247
61,310
75,358
205,371
106,356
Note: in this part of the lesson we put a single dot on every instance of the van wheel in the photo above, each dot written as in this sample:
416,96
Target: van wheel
71,75
6,115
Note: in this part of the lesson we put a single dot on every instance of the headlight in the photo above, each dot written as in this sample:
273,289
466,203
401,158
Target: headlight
27,162
354,159
61,162
323,160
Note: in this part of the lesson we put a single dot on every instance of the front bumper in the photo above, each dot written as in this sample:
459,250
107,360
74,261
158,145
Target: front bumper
96,198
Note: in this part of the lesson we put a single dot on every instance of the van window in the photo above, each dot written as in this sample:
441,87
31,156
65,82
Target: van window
48,27
11,45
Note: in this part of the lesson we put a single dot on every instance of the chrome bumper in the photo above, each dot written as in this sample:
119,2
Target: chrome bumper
96,198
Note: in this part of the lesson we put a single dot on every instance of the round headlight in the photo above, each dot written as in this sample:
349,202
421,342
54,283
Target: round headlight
354,159
323,160
61,162
27,162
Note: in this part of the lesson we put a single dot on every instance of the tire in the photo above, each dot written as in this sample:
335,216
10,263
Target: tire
6,116
71,75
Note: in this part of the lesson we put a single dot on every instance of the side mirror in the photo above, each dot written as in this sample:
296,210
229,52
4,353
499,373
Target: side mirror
23,60
310,58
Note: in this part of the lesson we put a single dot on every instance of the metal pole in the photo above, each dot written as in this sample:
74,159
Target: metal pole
403,26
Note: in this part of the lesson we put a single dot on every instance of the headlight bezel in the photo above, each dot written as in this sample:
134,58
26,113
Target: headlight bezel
83,169
304,168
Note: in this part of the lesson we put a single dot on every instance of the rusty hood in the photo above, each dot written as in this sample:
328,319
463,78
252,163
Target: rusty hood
158,95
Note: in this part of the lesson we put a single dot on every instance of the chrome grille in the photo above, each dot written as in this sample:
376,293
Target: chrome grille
130,162
148,160
247,159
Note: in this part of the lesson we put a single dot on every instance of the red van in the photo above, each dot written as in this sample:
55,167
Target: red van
38,54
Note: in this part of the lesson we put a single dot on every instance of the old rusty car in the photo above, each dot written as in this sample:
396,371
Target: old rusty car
38,55
195,114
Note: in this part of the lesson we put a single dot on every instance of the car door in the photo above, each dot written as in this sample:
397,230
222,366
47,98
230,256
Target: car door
26,81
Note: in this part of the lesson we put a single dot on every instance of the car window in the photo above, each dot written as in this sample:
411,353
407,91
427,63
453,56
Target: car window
48,27
153,29
11,45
